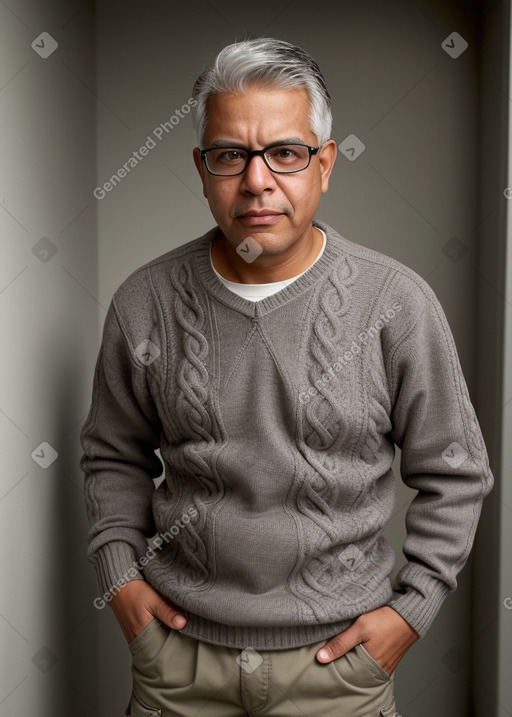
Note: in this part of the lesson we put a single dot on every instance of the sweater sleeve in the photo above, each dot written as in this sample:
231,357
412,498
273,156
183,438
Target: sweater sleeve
119,438
443,459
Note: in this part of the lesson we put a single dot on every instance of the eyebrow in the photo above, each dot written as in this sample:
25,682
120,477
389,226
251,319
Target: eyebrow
222,143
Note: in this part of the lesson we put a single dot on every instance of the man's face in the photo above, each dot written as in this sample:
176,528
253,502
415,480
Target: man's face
258,118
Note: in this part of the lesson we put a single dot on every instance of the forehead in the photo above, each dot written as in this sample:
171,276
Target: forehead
259,115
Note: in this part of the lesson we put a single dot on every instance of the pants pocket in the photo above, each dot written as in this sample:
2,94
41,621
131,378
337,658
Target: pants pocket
150,646
143,635
389,711
374,666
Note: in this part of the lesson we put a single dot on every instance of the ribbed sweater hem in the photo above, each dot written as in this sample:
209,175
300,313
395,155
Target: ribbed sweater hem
260,638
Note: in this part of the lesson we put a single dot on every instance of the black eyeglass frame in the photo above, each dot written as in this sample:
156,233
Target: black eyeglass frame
260,153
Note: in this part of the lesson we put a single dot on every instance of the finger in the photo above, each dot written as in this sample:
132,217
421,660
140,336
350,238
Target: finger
169,615
339,645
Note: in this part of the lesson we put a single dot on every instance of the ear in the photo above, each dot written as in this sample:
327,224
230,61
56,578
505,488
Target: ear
327,157
200,168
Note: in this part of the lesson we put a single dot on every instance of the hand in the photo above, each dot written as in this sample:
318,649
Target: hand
383,632
137,603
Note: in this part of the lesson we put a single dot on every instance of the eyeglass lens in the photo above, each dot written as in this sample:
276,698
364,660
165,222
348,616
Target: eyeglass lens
282,158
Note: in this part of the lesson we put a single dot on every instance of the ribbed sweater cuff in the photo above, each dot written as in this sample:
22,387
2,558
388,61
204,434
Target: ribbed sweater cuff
114,564
420,607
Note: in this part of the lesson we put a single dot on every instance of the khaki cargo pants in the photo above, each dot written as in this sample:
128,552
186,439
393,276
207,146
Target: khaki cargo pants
179,676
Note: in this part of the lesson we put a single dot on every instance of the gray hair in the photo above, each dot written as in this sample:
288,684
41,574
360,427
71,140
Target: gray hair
264,61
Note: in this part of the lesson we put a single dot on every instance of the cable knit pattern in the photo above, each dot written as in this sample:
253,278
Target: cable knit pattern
277,422
192,376
335,429
325,427
186,556
328,328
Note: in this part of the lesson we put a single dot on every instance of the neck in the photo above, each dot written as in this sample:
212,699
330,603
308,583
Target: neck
267,268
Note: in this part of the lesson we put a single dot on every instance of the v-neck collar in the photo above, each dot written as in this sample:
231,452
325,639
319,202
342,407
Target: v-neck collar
302,283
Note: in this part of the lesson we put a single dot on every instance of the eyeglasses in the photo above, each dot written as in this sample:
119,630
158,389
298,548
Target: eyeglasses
279,158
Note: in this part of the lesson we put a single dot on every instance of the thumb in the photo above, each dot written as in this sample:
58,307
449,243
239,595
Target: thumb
339,645
168,614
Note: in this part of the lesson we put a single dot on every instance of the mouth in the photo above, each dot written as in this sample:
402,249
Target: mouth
262,216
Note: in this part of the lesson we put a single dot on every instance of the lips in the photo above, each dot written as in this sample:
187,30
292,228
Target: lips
261,216
261,213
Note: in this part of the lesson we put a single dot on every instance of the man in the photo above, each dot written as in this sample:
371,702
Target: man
276,365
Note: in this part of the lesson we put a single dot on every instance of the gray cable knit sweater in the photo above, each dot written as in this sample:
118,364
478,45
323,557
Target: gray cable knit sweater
276,422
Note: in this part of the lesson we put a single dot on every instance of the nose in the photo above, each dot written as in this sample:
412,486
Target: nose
257,177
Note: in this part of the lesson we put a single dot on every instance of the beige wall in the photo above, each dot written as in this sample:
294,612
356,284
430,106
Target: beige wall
414,193
492,578
49,318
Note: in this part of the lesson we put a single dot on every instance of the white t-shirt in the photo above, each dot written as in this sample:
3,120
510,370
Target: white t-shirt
256,292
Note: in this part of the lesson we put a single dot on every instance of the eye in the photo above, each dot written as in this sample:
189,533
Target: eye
230,155
285,153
